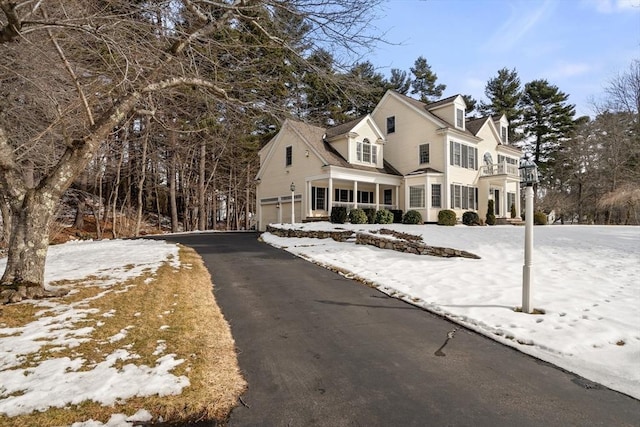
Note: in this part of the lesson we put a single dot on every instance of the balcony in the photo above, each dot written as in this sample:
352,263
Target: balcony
503,168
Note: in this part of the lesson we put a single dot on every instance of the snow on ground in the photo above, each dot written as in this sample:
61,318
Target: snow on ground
58,382
585,279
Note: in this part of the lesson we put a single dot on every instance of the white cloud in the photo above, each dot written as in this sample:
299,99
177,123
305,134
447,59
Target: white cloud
519,24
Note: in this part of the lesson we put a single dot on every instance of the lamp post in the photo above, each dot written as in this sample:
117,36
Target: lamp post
528,177
293,189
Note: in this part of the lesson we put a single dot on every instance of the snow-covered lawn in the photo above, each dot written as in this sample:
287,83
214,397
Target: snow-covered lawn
586,280
62,381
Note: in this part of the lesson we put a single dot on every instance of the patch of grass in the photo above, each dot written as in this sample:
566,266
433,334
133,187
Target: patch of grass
197,333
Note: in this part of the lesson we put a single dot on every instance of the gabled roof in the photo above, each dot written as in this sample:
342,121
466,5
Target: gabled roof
474,125
343,128
440,102
314,137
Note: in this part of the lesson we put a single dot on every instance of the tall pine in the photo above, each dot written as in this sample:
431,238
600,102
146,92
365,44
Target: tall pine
547,122
504,94
424,81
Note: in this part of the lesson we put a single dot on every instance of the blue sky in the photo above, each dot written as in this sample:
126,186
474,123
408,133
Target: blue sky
577,45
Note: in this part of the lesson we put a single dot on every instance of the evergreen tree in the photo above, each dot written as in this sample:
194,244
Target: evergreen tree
471,105
365,87
399,81
424,81
504,93
547,121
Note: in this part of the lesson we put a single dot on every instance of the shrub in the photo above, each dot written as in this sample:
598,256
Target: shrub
384,216
357,216
338,215
397,215
371,215
513,210
470,218
412,217
539,218
491,215
447,217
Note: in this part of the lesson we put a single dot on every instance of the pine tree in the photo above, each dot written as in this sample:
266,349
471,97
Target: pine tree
504,94
424,81
399,81
547,121
471,104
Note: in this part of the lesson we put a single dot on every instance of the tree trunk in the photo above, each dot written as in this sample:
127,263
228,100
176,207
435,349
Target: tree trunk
28,245
202,209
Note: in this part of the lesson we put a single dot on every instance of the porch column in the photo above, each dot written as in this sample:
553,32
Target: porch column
330,196
355,194
518,211
309,201
398,197
377,199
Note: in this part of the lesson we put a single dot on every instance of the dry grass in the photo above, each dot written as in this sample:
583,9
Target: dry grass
198,334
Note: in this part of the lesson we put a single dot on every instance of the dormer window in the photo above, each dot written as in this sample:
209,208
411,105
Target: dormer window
460,118
503,134
366,152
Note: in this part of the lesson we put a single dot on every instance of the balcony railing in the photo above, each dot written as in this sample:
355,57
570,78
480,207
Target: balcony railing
503,168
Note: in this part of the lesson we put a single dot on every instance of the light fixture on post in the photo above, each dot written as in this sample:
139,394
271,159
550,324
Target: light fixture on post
293,189
528,178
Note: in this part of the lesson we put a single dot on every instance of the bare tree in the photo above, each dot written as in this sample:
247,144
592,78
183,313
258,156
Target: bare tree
74,71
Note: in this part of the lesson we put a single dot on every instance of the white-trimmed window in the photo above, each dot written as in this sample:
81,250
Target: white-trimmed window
388,197
436,195
463,155
424,153
366,152
503,134
416,197
464,197
318,198
460,118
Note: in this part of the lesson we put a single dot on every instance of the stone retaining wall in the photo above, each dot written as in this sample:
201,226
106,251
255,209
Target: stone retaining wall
410,246
338,236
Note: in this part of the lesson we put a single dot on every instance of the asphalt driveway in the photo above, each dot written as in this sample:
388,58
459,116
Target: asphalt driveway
321,350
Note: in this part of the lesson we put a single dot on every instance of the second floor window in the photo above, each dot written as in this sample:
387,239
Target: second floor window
424,153
503,134
463,155
366,152
288,156
460,118
391,124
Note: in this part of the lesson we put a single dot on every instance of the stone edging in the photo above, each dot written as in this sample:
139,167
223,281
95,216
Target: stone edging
400,242
338,236
412,245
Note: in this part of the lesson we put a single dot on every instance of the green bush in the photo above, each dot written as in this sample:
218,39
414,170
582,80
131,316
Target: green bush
338,215
470,218
371,215
491,214
513,210
357,216
539,218
412,217
384,216
397,215
447,217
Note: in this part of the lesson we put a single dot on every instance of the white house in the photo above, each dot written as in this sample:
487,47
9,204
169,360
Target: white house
404,155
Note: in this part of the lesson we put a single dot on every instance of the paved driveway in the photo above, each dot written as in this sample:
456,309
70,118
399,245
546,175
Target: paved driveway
321,350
